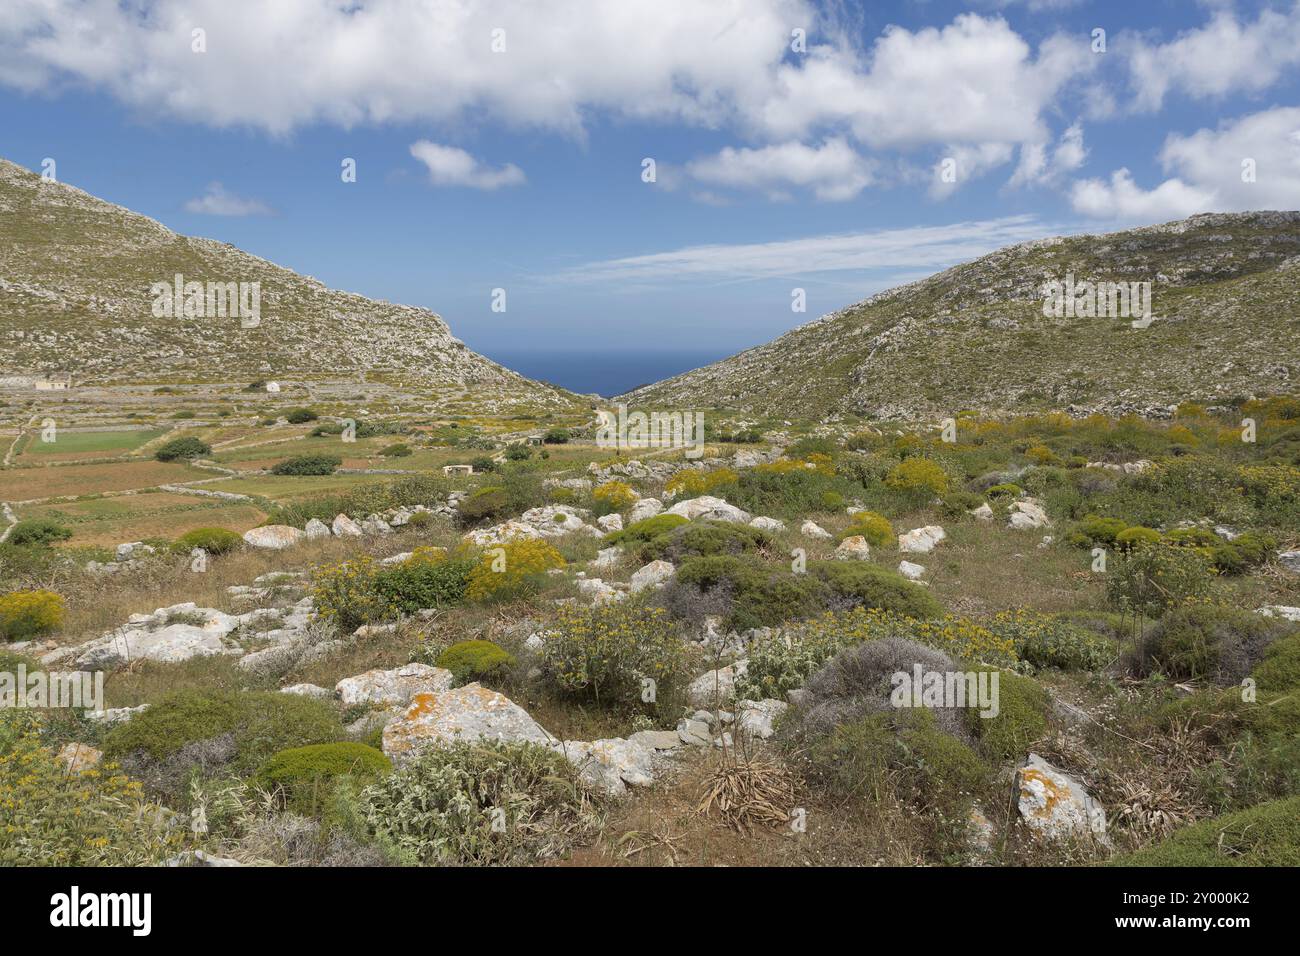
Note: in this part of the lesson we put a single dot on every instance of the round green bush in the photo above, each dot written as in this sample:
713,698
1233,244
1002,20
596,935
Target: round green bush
861,584
305,774
475,660
702,538
1021,719
647,529
417,584
211,540
1100,530
300,416
1280,669
1265,835
182,448
1136,537
38,531
397,450
487,502
875,528
1201,641
308,465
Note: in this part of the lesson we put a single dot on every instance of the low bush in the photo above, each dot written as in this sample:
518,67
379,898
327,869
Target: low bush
615,495
605,652
704,538
513,569
300,416
1152,578
748,593
1266,835
693,482
639,532
347,594
427,579
918,477
476,661
1280,669
182,448
1043,640
1198,642
37,532
396,450
307,465
211,540
860,584
481,803
1021,718
876,528
305,776
483,503
1136,536
28,614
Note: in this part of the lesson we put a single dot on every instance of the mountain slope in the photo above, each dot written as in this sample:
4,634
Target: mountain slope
1225,294
75,296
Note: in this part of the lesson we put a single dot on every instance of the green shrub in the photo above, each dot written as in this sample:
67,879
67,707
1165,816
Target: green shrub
481,802
347,594
1101,531
860,584
306,775
1280,669
518,453
1248,550
182,448
489,501
640,532
1021,719
308,465
476,661
957,504
918,476
704,538
211,540
605,653
785,492
1005,489
1137,536
1152,578
513,569
396,450
28,614
300,416
1047,641
258,724
1200,641
876,528
556,436
425,580
748,593
38,532
1266,835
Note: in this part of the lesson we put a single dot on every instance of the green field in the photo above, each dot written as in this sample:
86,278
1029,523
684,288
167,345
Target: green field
76,443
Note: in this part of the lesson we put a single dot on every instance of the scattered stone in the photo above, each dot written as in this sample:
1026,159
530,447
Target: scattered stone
656,739
500,533
200,858
315,528
758,717
607,558
78,758
853,548
611,764
1027,514
716,687
397,686
767,524
610,523
307,690
1279,610
1055,804
467,713
1289,560
913,572
274,537
115,715
345,527
654,575
982,513
694,732
598,591
708,508
921,540
811,529
645,508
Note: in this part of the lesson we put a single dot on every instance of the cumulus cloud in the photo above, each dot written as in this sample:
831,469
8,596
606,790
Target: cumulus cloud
833,171
1040,165
216,201
449,166
1223,57
1252,163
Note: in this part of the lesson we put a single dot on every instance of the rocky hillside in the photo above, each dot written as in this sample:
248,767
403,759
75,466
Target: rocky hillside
75,297
1226,301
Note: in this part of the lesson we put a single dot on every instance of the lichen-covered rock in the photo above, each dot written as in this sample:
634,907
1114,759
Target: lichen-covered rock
853,548
396,686
708,508
500,533
645,508
274,537
315,528
345,527
654,575
757,718
467,713
913,572
611,764
1055,804
610,523
763,523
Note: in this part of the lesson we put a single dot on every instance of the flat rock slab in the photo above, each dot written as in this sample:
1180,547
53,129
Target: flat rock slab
467,713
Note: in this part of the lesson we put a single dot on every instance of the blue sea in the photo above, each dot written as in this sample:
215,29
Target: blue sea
604,373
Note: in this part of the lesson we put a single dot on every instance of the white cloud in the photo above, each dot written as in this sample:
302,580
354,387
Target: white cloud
920,249
217,202
1040,165
1206,173
967,163
1225,56
449,166
833,171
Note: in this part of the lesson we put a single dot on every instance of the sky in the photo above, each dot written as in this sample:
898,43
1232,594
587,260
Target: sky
653,181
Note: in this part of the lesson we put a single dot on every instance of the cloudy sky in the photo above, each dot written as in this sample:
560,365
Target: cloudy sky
839,147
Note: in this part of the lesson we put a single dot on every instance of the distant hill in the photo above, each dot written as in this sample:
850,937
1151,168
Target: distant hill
75,297
1226,301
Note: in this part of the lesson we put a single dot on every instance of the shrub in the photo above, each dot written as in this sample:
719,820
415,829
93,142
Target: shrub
427,579
606,651
780,663
307,465
918,475
556,436
396,450
1248,550
52,817
1005,489
1131,538
788,489
511,570
617,495
300,416
693,482
1280,669
481,802
182,448
1152,578
38,531
1020,721
1101,531
1046,641
306,775
347,594
211,540
860,584
748,593
1266,835
28,614
518,453
475,660
699,538
482,503
248,727
1202,641
639,532
872,526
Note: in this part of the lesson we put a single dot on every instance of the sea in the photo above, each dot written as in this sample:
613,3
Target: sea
606,373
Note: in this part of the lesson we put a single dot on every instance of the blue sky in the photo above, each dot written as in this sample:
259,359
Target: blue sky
777,168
